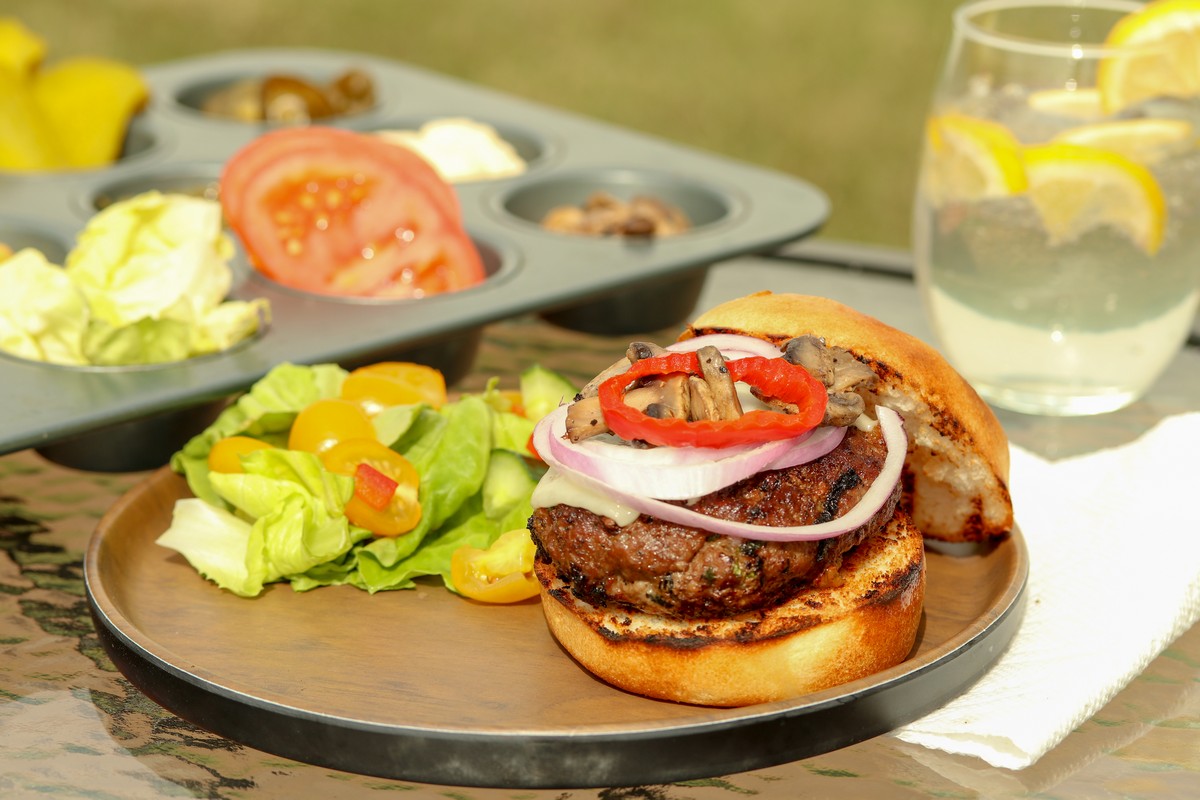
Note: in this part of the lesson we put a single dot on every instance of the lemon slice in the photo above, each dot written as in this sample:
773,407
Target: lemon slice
1146,141
972,158
1161,58
1077,189
1074,103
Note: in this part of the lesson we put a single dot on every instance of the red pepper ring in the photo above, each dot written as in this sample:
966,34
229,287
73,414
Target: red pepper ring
773,377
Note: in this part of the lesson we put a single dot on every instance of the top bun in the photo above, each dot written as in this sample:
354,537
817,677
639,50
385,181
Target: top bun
956,473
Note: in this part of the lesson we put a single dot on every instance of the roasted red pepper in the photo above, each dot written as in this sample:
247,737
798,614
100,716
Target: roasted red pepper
773,377
373,487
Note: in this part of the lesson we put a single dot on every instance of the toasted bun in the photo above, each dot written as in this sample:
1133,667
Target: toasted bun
957,466
821,638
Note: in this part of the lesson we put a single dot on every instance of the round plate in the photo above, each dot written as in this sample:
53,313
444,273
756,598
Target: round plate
424,685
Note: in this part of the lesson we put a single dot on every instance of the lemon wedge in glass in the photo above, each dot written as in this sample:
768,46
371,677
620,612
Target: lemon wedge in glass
1144,140
1082,103
971,158
1077,189
1160,56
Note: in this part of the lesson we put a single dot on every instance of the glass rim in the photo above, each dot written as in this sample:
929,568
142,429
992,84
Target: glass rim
965,25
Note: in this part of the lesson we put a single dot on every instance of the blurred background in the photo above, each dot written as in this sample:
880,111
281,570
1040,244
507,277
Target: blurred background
834,93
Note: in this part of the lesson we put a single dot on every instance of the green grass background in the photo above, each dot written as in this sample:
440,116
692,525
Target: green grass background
832,92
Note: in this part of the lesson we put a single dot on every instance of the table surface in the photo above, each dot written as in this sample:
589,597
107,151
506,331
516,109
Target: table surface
72,726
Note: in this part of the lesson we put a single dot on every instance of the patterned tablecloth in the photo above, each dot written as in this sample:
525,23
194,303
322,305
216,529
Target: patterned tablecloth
72,726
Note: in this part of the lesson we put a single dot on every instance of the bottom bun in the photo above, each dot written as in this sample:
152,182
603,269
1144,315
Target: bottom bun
818,639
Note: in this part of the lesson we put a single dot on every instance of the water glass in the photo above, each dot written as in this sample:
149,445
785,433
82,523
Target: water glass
1057,217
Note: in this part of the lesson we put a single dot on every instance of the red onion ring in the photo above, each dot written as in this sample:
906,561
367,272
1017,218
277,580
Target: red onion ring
872,500
681,473
731,345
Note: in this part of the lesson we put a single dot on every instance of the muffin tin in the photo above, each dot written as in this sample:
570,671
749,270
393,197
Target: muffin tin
134,417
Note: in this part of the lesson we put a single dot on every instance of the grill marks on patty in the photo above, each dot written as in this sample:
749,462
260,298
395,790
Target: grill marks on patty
674,570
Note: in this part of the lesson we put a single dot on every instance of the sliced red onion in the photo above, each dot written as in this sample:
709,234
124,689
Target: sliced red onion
731,345
611,448
872,500
681,473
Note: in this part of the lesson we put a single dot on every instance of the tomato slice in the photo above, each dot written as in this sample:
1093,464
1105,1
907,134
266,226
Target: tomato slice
340,212
321,425
226,454
503,573
392,515
391,383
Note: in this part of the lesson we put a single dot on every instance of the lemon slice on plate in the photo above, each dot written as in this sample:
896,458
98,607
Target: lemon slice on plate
1160,58
1077,189
1146,141
972,158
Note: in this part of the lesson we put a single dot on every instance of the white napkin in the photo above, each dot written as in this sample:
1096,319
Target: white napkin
1114,552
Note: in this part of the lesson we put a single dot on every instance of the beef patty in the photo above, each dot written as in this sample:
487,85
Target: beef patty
677,571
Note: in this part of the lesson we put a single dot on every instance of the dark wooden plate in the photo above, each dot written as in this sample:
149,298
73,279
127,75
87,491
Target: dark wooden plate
423,685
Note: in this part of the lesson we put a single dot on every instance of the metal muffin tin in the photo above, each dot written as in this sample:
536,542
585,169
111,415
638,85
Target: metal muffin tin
133,417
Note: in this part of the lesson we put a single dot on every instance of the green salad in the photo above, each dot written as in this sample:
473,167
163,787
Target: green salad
280,514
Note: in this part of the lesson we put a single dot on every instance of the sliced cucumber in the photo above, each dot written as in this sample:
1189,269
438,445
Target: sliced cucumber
543,390
508,484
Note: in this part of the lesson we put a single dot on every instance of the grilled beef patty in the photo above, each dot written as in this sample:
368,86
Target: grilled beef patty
683,572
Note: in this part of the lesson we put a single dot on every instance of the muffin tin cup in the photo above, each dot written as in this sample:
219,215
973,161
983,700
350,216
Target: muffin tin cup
594,284
135,445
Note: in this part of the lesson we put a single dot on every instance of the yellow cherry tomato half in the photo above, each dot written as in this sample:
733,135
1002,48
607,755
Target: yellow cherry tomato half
391,516
226,454
503,573
375,391
516,405
424,383
324,423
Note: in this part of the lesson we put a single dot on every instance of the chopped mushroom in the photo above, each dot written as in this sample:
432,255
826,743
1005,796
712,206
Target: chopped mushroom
810,352
675,397
716,375
636,352
604,214
586,419
700,399
843,375
710,396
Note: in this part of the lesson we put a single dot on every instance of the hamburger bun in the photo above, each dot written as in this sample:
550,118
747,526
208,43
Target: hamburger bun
823,637
956,473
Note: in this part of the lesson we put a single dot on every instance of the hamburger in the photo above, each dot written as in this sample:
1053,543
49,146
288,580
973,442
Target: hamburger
741,516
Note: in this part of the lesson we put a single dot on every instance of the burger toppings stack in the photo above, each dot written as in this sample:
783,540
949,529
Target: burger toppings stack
725,520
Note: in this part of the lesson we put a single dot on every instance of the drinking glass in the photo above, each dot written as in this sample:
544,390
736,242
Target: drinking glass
1057,216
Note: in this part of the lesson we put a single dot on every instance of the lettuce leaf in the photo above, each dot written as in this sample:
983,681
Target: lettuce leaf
289,520
214,542
265,412
146,341
451,459
43,315
153,256
145,283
